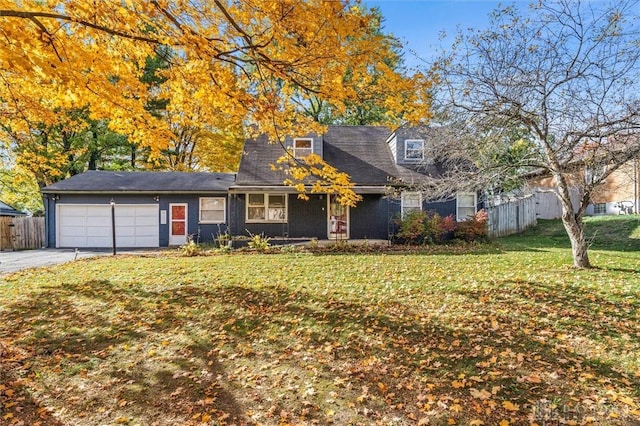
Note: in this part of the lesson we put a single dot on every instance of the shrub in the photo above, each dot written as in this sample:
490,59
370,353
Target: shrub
222,238
412,227
258,242
439,229
418,227
191,248
473,229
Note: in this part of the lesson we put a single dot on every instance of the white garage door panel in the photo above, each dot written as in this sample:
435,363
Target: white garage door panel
146,221
90,225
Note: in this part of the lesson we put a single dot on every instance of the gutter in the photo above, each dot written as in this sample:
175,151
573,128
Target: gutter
290,190
127,192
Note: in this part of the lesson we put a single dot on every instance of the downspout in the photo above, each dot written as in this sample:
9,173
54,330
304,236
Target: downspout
47,212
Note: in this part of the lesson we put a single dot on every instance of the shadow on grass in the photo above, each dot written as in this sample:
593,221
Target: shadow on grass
613,233
99,364
173,354
17,405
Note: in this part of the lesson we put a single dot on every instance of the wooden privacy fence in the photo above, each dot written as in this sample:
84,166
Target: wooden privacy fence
512,217
20,233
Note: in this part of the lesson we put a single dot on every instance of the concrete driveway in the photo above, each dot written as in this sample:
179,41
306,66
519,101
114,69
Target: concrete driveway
13,261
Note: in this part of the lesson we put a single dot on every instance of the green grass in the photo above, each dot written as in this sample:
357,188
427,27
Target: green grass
508,332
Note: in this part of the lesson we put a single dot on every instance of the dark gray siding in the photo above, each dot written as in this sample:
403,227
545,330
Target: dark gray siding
205,232
372,218
201,232
238,226
308,219
443,208
402,135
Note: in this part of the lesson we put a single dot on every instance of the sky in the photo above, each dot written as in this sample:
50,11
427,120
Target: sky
418,24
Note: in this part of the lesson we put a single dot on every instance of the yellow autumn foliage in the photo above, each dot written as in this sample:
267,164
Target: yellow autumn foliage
253,62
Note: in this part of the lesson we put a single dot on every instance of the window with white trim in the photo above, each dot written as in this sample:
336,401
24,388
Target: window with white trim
414,149
600,208
266,208
466,205
302,147
213,210
410,201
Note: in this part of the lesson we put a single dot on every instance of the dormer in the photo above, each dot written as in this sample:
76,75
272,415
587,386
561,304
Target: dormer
408,146
302,146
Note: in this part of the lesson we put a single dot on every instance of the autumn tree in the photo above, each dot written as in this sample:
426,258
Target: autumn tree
566,74
83,54
373,91
18,186
75,144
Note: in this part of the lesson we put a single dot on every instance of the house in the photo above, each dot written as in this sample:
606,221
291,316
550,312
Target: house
618,194
151,209
157,209
375,158
7,215
7,210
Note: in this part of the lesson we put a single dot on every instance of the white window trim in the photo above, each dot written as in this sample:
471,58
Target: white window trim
475,205
266,208
295,155
224,210
403,196
595,206
421,158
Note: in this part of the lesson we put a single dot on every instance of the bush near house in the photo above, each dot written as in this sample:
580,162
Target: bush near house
474,229
419,227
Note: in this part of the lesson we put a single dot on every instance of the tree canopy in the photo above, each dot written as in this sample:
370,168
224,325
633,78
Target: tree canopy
565,76
256,63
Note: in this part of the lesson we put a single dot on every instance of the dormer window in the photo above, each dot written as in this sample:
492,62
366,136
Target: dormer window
302,147
414,149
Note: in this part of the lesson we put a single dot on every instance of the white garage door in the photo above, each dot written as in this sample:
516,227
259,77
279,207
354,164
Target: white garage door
89,225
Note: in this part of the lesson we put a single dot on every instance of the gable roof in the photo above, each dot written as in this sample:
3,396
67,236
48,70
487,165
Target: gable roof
7,210
360,151
94,181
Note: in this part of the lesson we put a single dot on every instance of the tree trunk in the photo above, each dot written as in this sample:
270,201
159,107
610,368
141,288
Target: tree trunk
573,224
93,151
575,230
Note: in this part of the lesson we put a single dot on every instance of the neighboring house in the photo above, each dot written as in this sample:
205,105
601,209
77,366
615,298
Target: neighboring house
151,209
7,213
157,209
7,210
618,194
375,159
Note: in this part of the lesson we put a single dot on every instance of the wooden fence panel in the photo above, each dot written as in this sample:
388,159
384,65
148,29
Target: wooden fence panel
21,233
548,204
512,217
6,239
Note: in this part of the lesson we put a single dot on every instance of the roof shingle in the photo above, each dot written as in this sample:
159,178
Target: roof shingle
107,181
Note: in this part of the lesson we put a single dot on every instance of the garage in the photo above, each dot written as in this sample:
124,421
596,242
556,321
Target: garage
152,209
89,225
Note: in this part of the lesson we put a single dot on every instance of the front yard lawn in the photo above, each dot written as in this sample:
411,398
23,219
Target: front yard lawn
508,335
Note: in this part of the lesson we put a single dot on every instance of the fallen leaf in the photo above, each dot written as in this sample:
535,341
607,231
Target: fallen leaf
510,406
457,384
480,394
